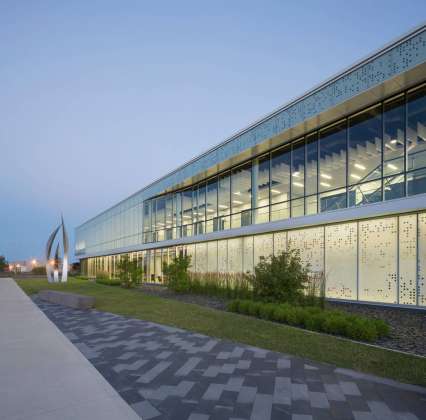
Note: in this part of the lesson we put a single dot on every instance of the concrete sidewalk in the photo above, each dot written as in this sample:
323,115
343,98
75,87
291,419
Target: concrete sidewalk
42,375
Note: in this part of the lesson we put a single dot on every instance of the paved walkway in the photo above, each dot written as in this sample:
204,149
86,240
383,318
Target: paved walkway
168,373
42,375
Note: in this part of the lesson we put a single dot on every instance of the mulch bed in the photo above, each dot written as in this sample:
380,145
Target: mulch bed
408,326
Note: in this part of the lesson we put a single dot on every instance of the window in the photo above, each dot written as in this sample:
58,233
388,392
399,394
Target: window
365,146
261,189
332,167
224,205
241,195
187,213
201,210
416,129
311,174
297,178
280,183
393,137
211,204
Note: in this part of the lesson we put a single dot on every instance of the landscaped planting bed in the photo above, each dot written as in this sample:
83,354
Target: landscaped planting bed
315,319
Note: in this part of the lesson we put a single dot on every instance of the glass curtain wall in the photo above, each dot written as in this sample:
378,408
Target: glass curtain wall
376,154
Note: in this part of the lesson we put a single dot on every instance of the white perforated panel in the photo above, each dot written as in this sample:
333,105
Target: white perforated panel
378,260
421,279
341,260
280,242
248,254
263,246
310,243
222,256
235,255
201,257
407,259
212,257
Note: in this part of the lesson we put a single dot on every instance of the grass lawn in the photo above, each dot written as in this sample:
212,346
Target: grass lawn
255,332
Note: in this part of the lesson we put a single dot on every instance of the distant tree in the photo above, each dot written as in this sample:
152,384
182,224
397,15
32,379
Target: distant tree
3,263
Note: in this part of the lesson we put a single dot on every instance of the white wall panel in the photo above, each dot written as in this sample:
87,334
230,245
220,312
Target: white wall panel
280,242
263,246
310,243
222,256
235,255
212,257
341,255
407,259
201,257
248,254
421,253
378,260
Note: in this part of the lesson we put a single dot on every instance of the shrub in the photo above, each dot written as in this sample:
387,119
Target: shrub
108,282
280,278
129,273
40,270
314,319
176,274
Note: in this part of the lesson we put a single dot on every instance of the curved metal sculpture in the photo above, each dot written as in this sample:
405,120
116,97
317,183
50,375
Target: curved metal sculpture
52,265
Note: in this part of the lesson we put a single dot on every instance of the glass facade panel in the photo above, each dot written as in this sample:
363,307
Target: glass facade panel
224,203
298,170
261,189
366,193
211,204
311,174
280,180
241,196
416,182
393,136
416,129
187,213
365,146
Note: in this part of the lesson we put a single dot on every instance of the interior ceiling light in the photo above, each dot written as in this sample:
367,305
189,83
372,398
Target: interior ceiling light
237,202
296,174
359,166
275,191
222,206
356,176
392,166
298,184
326,176
324,184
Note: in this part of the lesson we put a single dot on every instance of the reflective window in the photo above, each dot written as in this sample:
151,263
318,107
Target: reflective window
311,173
298,178
416,129
224,203
416,182
201,208
332,167
280,175
187,213
365,146
394,136
241,196
261,190
211,204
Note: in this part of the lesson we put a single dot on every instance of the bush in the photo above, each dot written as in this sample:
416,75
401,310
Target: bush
40,270
280,278
315,319
176,274
129,273
108,282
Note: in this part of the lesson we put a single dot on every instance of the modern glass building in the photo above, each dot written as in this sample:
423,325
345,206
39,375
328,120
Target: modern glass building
339,173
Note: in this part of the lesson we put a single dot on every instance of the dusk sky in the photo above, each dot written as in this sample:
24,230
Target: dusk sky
99,98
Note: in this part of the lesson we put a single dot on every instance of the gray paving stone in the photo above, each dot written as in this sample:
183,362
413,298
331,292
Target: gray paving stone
198,416
188,374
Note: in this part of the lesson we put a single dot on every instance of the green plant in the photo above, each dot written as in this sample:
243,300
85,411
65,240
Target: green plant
40,270
176,273
280,278
129,273
108,282
314,318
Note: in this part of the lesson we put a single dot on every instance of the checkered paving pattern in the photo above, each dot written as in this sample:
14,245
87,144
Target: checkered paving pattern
169,373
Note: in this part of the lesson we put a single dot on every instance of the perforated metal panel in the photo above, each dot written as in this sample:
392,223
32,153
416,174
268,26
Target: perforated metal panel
421,275
407,259
263,246
212,256
201,257
378,260
248,254
280,242
235,255
310,243
222,256
341,254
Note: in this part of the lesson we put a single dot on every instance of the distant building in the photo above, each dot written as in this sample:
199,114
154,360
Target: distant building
339,173
24,266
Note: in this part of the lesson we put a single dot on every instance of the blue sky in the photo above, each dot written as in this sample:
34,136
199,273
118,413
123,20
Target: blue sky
98,98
